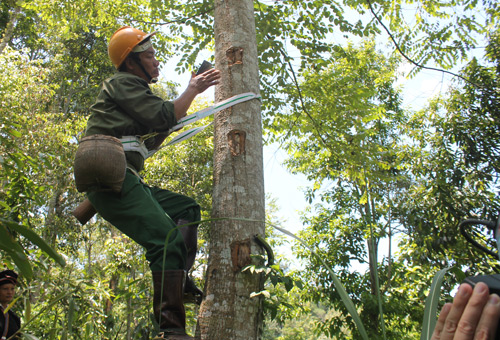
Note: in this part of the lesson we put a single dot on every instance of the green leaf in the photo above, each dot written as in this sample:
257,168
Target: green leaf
431,304
35,239
15,251
27,310
363,198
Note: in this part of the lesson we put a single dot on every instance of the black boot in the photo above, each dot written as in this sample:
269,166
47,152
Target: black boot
168,305
190,235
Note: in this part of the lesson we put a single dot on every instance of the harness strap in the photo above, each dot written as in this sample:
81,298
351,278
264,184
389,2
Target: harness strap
136,174
135,143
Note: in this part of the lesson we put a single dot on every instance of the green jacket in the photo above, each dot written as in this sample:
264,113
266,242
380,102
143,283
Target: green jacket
127,107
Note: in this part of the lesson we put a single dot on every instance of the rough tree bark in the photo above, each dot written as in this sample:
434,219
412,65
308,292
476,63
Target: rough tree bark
228,311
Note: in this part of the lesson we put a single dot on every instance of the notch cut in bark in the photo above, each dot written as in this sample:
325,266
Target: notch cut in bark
234,56
240,254
236,141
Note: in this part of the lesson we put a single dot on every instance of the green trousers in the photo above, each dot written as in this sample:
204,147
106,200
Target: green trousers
146,215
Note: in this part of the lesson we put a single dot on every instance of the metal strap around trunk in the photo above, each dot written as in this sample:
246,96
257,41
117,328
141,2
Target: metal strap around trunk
240,98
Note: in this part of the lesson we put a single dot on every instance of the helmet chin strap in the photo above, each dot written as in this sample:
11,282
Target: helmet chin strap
138,61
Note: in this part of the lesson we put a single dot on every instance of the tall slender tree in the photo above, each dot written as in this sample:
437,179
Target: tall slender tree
228,311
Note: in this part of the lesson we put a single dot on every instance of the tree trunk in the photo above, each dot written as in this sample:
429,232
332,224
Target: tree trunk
228,311
9,30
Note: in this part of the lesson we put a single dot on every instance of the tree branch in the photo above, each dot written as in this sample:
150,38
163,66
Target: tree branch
177,21
302,103
408,58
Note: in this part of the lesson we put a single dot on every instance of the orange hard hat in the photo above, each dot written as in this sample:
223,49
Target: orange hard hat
123,41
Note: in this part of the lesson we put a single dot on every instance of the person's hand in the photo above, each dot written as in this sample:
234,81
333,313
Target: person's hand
197,84
474,314
204,80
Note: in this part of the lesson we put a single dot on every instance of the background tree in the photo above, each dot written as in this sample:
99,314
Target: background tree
458,170
347,136
435,178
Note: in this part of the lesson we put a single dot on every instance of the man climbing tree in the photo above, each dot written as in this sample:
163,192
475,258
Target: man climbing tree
127,113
